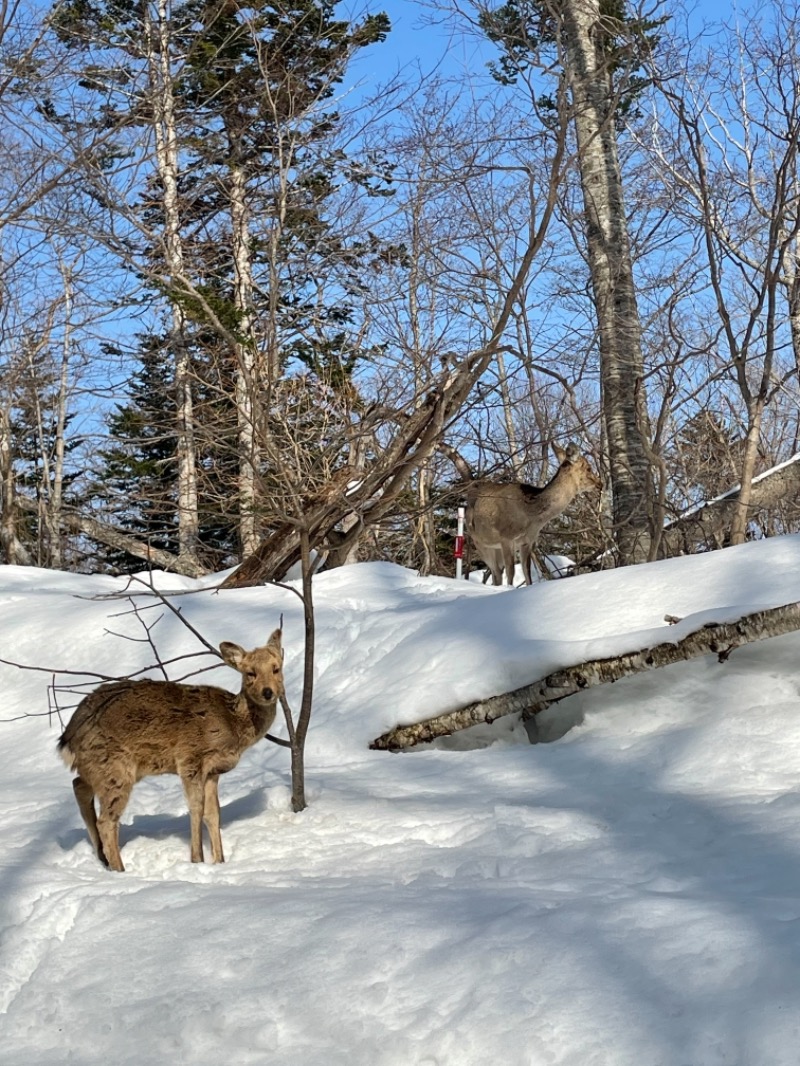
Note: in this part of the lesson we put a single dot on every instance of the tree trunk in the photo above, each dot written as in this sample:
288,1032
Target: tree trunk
711,638
738,527
51,485
611,269
13,549
159,54
424,526
299,730
56,487
246,376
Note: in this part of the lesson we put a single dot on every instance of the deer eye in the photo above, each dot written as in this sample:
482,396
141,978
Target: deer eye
276,669
251,674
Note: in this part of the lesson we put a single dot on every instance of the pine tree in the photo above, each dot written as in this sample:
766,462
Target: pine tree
253,178
258,88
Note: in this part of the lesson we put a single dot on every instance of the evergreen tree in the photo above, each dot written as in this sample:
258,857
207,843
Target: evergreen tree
136,473
263,276
137,479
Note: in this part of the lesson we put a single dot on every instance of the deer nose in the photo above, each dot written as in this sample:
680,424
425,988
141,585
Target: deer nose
267,692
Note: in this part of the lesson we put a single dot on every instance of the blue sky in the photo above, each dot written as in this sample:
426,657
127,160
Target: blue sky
418,37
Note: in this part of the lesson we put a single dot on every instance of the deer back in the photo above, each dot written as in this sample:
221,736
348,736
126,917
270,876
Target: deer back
156,727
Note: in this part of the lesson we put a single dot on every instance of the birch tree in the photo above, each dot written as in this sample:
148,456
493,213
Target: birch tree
590,48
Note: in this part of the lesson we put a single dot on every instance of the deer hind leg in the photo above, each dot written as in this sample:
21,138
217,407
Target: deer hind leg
194,786
211,817
113,801
84,794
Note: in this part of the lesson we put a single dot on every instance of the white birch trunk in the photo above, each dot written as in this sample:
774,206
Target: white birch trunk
158,56
56,482
247,383
712,638
608,246
738,529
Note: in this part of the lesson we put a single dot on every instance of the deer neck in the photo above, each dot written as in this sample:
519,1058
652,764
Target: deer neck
254,718
556,496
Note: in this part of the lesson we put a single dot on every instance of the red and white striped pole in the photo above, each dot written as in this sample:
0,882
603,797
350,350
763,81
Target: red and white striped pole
458,550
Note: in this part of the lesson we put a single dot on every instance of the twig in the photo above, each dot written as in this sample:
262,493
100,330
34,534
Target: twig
177,612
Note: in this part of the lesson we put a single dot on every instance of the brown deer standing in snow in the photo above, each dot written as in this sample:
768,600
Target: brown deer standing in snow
505,518
127,730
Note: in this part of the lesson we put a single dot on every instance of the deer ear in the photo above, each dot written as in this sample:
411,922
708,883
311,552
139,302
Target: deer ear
275,639
232,654
559,452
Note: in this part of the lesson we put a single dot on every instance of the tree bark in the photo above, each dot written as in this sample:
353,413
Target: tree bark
611,270
56,489
247,384
712,637
298,730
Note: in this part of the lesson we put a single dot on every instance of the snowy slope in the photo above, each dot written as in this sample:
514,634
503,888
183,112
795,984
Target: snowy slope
625,896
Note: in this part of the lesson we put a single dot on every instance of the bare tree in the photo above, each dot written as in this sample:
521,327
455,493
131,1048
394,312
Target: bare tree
420,380
733,152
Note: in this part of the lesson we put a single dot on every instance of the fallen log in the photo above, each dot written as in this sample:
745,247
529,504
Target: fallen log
719,638
117,538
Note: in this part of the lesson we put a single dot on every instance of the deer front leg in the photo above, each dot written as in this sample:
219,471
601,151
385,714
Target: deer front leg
493,561
525,562
194,788
509,562
211,817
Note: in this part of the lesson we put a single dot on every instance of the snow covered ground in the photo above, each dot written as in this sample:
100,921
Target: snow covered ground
628,895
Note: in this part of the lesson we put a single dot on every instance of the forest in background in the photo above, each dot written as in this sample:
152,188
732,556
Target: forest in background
252,293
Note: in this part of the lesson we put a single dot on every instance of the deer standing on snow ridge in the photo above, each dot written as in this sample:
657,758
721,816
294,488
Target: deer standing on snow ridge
127,730
505,518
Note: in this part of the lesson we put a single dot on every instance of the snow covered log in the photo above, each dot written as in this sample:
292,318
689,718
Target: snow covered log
718,638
